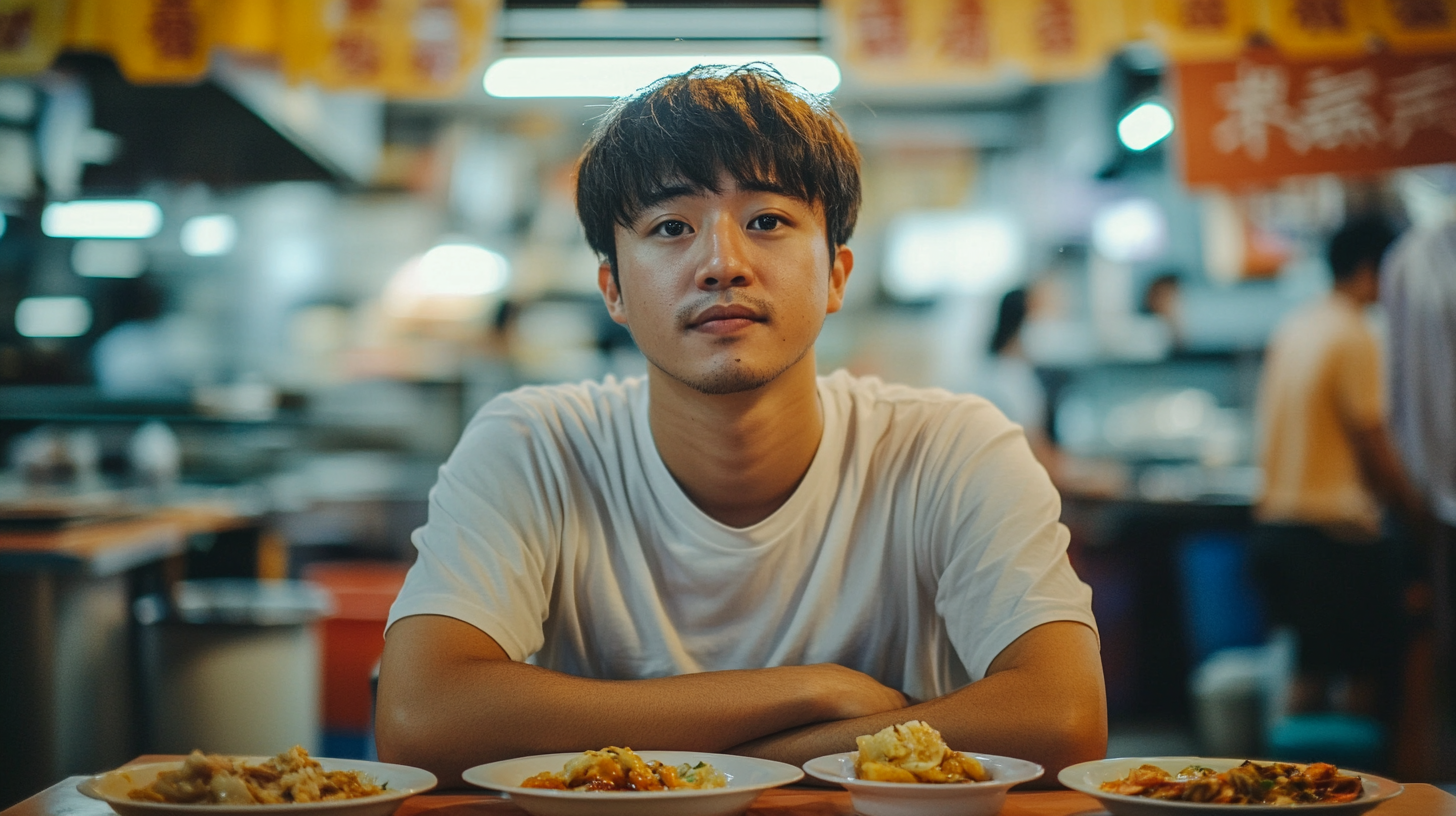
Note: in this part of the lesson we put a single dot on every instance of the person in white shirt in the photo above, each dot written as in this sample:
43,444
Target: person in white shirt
734,553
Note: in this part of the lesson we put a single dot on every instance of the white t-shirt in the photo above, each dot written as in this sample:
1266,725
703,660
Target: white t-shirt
922,541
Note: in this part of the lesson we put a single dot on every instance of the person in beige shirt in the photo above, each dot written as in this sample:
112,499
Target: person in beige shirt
1329,472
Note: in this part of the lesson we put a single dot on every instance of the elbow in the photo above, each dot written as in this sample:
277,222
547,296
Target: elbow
406,734
1080,737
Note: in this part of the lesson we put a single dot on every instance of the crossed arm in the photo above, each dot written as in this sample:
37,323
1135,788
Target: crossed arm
450,698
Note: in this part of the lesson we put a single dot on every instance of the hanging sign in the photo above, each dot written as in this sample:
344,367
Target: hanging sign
160,40
1318,28
1061,39
30,34
1417,25
86,25
248,26
1200,29
904,42
438,45
1262,117
340,44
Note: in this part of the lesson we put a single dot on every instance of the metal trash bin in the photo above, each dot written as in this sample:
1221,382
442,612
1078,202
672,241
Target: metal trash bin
232,666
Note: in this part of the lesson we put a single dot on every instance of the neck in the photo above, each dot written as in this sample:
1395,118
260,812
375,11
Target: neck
738,456
1354,292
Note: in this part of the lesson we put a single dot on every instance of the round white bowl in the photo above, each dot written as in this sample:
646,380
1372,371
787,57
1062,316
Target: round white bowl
908,799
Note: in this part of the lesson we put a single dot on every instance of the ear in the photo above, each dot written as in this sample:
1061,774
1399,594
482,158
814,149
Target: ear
839,277
611,294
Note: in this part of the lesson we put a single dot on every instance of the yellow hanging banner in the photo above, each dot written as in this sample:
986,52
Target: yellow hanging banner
1190,30
87,25
934,42
31,32
1061,39
160,40
248,26
340,44
1416,26
1318,29
437,46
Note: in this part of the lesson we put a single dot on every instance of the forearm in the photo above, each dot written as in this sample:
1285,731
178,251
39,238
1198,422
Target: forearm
447,709
1055,715
1384,473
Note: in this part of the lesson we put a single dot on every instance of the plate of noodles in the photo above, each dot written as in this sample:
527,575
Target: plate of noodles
1203,786
214,784
908,770
617,781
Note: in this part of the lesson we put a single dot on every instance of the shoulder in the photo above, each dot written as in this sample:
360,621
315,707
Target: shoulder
905,413
588,404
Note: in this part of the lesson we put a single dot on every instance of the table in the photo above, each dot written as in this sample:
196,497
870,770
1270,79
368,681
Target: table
66,621
62,799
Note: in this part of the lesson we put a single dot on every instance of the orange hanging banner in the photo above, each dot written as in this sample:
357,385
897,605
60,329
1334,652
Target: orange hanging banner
340,44
87,25
1414,26
1318,29
160,40
919,42
1201,29
31,32
248,26
1264,117
440,45
1061,39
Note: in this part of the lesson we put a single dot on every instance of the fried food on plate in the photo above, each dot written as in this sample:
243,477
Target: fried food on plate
290,777
913,752
1252,783
621,769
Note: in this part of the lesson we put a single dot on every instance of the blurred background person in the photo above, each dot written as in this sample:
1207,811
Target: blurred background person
1329,469
1007,378
1163,299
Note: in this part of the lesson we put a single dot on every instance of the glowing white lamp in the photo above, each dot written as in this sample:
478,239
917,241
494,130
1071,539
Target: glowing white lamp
102,219
53,317
933,253
209,235
613,76
1130,231
1144,126
463,270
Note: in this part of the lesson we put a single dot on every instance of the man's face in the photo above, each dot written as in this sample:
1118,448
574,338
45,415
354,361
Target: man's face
725,291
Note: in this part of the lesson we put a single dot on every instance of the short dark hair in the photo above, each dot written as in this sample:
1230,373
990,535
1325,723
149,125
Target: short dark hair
1360,241
688,129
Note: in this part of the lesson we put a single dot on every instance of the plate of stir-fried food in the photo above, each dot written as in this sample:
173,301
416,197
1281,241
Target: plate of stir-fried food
209,783
618,781
1168,786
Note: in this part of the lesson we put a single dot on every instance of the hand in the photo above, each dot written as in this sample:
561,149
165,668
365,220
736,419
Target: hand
845,693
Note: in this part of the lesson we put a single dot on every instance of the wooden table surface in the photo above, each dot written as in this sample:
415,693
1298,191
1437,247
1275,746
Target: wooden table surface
62,799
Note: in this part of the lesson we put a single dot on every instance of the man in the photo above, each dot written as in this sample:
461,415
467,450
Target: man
734,554
1329,470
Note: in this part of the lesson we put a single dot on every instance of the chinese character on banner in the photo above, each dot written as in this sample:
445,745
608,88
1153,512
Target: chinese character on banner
967,37
31,32
1261,118
1414,26
883,28
442,42
1060,39
1200,29
160,40
338,43
1319,28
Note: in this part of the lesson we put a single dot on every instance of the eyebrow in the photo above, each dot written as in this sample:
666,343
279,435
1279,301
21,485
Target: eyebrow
667,193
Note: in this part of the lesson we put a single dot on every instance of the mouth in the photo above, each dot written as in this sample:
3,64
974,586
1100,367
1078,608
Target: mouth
725,319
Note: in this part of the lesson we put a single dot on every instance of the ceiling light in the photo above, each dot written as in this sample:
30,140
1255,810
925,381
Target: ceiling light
1130,231
102,258
101,219
614,76
1144,126
53,317
208,235
464,270
934,253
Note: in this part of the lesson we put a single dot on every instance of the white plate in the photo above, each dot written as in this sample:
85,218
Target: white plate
1087,776
402,781
747,778
907,799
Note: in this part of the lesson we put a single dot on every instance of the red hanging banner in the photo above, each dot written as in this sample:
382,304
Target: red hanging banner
1263,118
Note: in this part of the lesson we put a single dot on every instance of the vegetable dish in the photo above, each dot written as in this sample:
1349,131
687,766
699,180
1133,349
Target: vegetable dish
1252,783
621,769
913,752
290,777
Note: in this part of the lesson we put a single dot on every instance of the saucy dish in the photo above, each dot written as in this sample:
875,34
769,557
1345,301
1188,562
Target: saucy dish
291,777
913,752
1252,783
621,769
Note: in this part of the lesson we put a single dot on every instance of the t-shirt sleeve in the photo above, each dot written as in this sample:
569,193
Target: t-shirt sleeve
483,555
997,544
1359,386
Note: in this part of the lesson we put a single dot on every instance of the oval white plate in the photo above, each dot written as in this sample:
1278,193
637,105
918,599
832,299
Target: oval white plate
747,778
402,780
1087,776
905,799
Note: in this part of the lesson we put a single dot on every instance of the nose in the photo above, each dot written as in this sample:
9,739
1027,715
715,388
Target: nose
726,263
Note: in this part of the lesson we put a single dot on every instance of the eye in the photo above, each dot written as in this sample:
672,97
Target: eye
671,229
765,222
